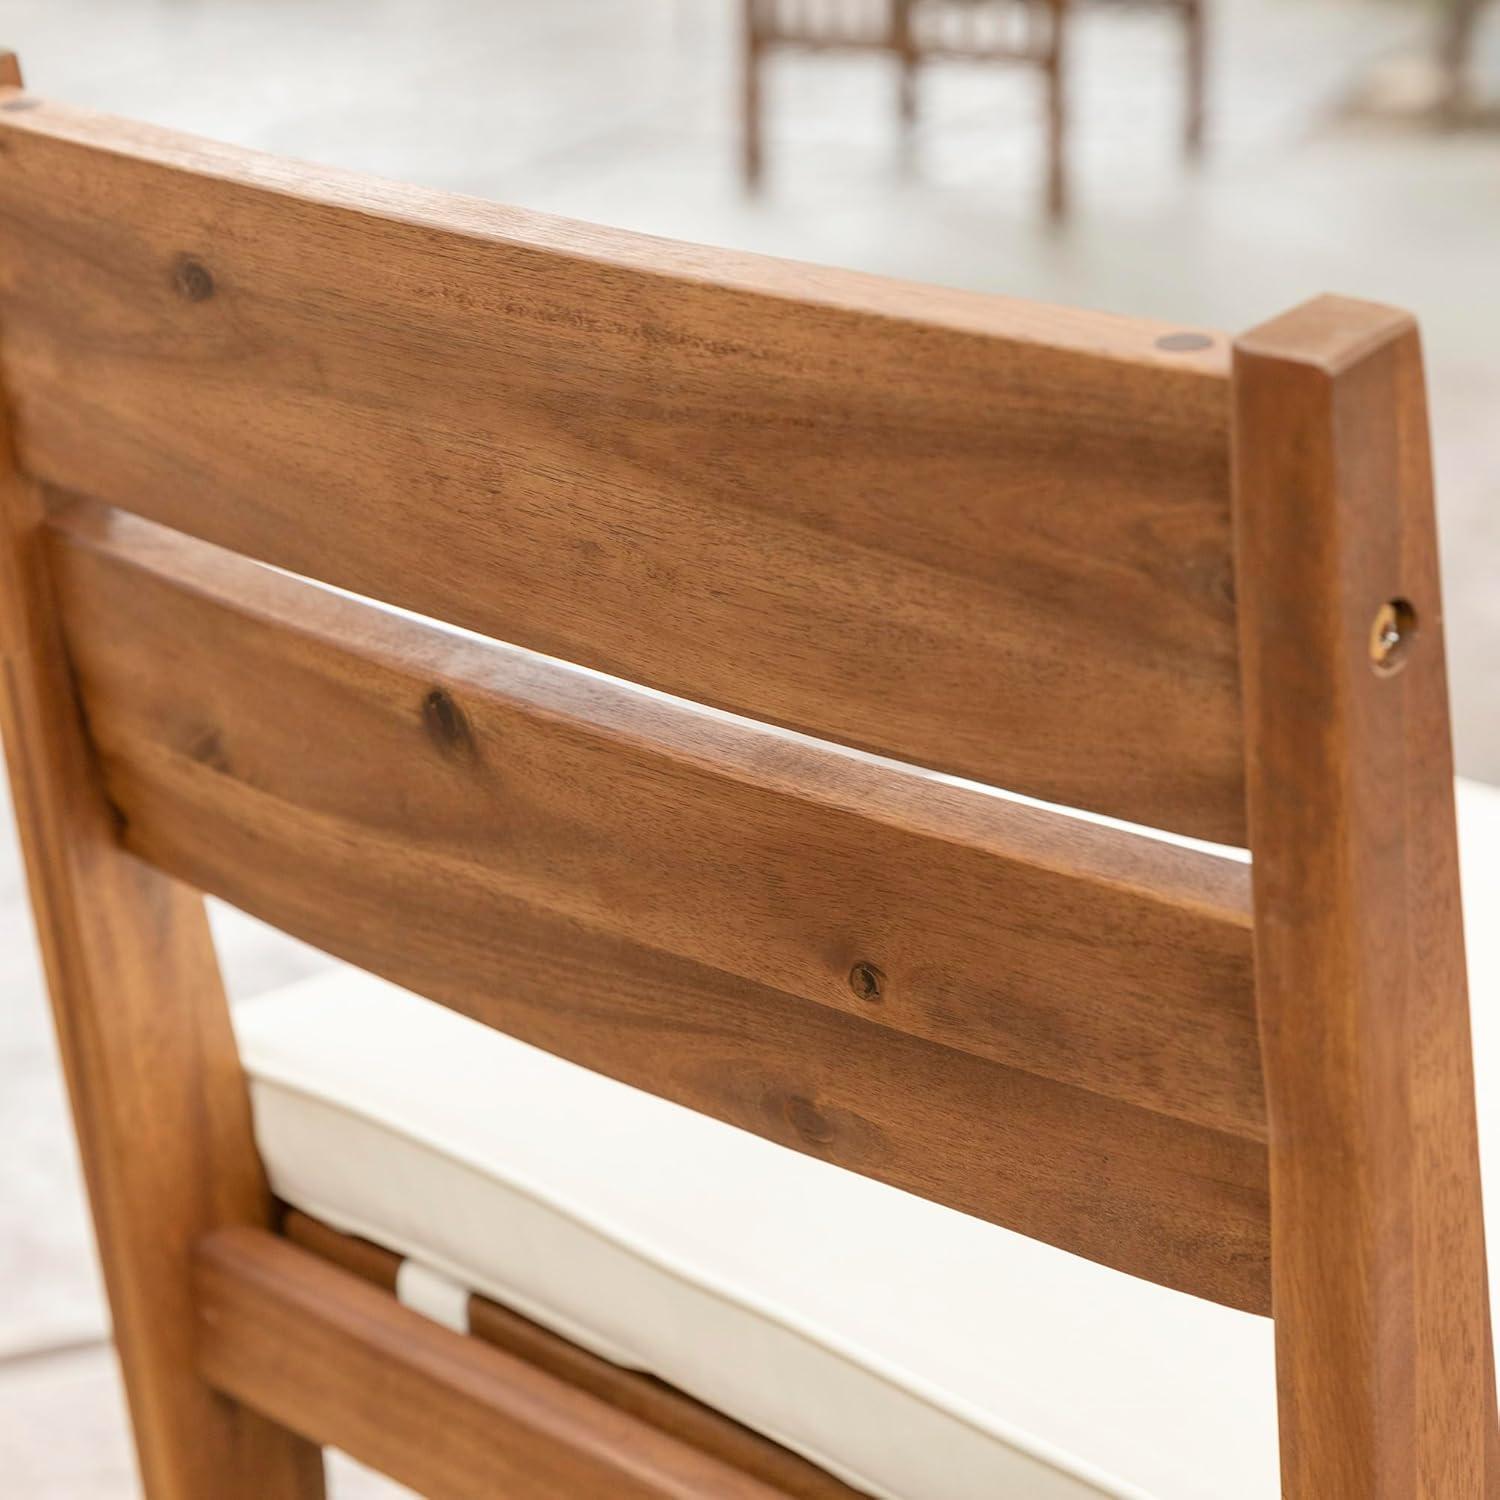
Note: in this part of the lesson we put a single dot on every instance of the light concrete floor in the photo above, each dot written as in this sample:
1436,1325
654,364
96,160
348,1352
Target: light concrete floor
620,111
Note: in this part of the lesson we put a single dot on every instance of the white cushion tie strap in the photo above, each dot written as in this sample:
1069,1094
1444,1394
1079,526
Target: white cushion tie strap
433,1294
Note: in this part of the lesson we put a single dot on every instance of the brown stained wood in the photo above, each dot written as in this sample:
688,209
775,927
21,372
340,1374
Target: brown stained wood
974,534
1079,952
1384,1361
453,1417
971,534
158,1101
659,893
369,1261
637,1395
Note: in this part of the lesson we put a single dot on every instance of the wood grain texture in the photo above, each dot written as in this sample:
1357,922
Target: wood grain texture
975,535
982,536
635,1394
1382,1321
678,899
1082,953
158,1100
453,1417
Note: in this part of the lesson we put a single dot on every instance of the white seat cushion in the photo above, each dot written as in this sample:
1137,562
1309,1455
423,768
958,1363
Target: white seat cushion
916,1352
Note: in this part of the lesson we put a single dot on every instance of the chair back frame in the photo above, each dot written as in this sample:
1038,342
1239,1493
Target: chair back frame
1309,1150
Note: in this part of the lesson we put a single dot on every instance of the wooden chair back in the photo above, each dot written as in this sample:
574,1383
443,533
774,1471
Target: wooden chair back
826,535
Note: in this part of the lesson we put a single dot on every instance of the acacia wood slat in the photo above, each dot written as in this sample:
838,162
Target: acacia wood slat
630,1391
1076,951
976,534
455,1418
677,899
1380,1294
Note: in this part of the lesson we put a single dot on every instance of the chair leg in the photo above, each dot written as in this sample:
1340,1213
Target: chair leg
906,52
1455,50
752,55
1057,122
908,92
1195,27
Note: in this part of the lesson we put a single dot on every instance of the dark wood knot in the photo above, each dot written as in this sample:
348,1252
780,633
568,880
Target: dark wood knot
448,726
867,981
207,748
807,1120
193,280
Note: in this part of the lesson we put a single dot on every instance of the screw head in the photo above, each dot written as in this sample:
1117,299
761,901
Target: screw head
867,981
1392,632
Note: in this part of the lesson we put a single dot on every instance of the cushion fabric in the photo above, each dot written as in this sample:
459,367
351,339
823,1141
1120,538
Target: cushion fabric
917,1353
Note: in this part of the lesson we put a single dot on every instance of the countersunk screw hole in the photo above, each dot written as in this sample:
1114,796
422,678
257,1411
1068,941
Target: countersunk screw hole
867,981
1392,632
1184,343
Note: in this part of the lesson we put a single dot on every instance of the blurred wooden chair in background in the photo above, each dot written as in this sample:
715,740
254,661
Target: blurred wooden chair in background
1457,37
1032,33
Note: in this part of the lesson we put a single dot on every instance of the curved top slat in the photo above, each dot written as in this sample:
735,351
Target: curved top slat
970,533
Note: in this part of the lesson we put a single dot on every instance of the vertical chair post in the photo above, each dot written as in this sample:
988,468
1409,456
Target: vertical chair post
143,1029
1378,1257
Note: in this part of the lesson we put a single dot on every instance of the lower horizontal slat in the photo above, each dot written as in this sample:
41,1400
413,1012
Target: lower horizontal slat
639,1396
1056,1029
339,1361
